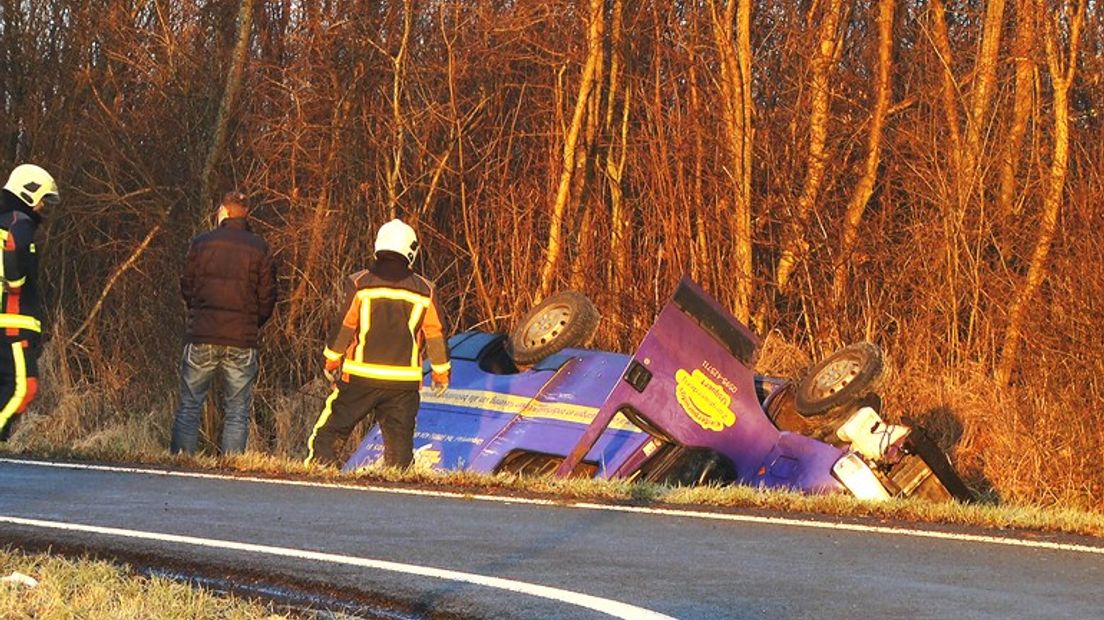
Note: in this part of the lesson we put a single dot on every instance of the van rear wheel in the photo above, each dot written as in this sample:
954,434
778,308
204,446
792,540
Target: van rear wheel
566,319
840,379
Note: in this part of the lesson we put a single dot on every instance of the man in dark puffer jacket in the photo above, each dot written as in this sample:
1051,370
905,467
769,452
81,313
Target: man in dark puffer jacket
229,286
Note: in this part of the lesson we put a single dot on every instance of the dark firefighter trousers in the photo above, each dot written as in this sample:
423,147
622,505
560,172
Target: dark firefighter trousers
18,382
350,402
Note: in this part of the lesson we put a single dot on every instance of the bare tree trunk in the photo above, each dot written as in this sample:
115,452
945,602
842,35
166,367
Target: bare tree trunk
700,256
571,165
1023,101
472,243
119,271
1062,71
732,38
398,62
954,207
950,86
985,73
865,187
616,154
229,97
12,76
584,232
820,69
742,234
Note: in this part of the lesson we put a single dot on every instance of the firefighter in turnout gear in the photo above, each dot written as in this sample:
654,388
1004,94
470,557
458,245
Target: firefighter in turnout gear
374,352
28,190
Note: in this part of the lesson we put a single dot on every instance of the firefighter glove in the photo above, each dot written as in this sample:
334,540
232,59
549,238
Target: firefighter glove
331,369
440,382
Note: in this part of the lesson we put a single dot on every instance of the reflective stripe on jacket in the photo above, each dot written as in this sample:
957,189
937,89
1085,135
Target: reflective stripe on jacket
384,326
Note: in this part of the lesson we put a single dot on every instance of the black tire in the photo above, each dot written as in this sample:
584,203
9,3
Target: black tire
840,379
566,319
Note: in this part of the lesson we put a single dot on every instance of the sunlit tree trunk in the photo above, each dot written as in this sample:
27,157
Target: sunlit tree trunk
1023,102
1062,70
864,189
616,153
731,24
583,261
571,163
820,70
11,77
985,73
229,97
699,265
949,90
398,124
964,188
953,208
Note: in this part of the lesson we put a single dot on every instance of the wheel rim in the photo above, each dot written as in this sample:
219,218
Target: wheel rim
836,376
547,326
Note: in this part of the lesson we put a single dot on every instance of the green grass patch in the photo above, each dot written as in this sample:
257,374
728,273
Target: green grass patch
95,589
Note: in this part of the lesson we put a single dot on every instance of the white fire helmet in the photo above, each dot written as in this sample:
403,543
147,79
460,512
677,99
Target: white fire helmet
396,236
32,185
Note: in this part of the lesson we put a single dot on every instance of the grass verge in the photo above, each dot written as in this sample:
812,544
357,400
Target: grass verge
997,518
95,589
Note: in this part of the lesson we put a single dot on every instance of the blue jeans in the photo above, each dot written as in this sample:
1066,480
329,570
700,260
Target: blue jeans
238,369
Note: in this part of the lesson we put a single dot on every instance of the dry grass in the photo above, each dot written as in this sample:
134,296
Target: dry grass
1011,444
1007,518
95,590
779,357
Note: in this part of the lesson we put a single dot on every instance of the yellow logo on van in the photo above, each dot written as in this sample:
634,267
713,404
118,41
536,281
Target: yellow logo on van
704,400
426,457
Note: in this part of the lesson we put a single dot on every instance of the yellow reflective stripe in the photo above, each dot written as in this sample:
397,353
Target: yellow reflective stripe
397,373
20,384
365,323
33,250
382,371
412,325
394,293
331,354
322,419
20,321
447,366
17,283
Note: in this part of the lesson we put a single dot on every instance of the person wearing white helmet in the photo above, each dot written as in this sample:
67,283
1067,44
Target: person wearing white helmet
27,192
374,353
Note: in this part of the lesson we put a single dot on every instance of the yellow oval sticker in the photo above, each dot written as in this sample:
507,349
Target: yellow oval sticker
704,400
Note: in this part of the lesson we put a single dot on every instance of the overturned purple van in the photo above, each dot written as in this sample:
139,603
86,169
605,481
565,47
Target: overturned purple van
687,407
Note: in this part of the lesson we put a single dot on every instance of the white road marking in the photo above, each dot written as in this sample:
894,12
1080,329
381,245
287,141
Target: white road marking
712,516
603,605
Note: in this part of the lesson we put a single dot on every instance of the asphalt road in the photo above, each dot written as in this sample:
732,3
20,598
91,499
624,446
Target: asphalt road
679,566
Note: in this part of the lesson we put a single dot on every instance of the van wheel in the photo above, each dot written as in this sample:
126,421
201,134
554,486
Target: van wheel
841,379
566,319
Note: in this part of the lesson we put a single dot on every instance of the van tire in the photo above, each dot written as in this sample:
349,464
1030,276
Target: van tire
566,319
840,379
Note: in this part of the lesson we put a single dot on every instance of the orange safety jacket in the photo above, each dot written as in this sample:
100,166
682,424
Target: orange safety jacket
384,326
